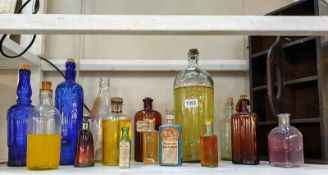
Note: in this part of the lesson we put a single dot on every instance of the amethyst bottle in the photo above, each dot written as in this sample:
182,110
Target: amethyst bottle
17,119
285,144
85,147
69,102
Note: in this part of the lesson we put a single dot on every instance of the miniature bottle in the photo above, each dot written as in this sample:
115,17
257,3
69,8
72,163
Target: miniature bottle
194,104
150,144
243,134
112,132
170,142
285,144
69,102
125,149
85,148
140,125
209,147
225,130
100,110
17,117
44,133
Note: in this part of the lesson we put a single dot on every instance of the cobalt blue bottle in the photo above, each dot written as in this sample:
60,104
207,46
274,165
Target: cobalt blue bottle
170,143
69,102
17,119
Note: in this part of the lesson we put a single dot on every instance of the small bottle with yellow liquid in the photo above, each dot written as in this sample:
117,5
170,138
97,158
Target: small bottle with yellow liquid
112,132
194,104
44,133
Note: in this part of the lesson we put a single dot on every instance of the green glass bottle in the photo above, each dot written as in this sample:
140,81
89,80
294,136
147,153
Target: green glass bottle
125,149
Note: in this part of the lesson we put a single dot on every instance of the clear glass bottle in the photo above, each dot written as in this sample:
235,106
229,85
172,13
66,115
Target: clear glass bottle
243,134
209,147
69,102
285,144
44,133
123,120
194,104
17,117
140,125
150,144
170,142
225,130
125,149
85,147
100,110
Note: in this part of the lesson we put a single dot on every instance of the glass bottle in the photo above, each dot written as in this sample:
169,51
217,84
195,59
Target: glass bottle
100,110
17,117
209,147
194,104
225,130
69,102
125,149
150,144
112,132
44,128
140,125
285,144
170,142
243,134
85,148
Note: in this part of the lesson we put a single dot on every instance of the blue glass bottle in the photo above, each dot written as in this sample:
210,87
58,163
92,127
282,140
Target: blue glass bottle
69,102
170,143
17,119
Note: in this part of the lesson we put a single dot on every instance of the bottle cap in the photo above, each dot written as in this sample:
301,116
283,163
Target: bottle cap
242,102
193,51
72,60
46,85
147,99
86,119
116,100
229,99
208,122
25,66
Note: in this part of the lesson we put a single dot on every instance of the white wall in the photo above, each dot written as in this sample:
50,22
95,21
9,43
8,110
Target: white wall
134,86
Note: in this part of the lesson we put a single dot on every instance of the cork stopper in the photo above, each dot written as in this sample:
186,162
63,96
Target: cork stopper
229,99
208,123
46,85
243,104
193,51
147,99
116,100
24,66
72,60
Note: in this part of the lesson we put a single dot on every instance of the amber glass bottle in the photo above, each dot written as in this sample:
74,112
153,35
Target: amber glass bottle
209,147
141,125
243,134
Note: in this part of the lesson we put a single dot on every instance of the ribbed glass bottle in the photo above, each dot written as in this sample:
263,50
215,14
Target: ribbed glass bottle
69,102
194,104
17,119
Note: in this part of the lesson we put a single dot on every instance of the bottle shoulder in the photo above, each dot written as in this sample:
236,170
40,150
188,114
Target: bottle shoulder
193,77
18,108
143,113
244,114
68,85
45,111
165,126
285,130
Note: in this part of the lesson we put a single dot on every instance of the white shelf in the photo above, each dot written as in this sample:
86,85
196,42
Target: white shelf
149,65
12,48
163,24
225,168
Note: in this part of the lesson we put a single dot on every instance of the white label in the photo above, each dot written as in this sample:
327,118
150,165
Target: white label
142,126
124,161
191,103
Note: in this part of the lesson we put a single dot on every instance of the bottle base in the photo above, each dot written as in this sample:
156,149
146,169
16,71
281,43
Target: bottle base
246,162
11,164
210,165
285,165
84,165
41,168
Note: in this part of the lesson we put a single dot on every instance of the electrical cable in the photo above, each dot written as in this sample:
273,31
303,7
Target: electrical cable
35,10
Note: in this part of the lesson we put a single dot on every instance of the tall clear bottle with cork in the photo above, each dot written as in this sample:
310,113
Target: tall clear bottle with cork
194,104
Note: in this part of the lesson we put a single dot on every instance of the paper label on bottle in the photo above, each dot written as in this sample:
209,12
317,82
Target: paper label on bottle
170,142
142,126
124,161
191,103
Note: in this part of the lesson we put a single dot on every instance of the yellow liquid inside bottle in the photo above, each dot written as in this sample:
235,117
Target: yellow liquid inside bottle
125,123
111,140
43,151
150,147
193,106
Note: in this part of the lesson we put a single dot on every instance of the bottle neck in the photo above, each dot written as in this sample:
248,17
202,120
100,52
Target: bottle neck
208,130
46,99
117,108
283,120
104,94
85,126
170,121
193,61
148,106
229,110
24,90
125,134
70,71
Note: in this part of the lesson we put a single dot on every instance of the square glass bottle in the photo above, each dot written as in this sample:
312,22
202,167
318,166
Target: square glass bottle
170,142
209,147
150,144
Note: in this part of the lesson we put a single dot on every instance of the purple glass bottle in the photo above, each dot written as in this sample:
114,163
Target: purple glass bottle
17,119
285,144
